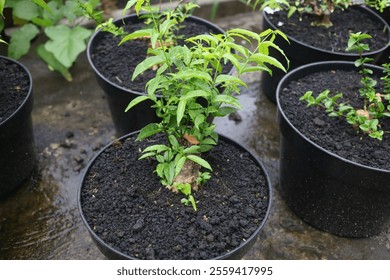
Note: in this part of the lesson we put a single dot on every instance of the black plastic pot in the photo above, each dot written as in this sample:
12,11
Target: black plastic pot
238,253
300,53
119,97
17,150
325,190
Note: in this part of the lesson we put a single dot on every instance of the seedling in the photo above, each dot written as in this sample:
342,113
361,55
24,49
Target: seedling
376,105
189,89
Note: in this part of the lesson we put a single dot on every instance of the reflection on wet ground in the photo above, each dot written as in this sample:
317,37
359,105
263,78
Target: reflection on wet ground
72,122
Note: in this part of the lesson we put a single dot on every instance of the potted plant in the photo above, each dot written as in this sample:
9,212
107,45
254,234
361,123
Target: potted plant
334,172
319,30
113,64
16,132
65,37
185,212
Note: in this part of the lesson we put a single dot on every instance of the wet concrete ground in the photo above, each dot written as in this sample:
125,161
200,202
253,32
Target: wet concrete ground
72,122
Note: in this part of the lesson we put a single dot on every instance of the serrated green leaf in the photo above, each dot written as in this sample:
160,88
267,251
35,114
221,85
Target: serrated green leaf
199,161
262,59
148,130
66,43
135,101
20,40
53,63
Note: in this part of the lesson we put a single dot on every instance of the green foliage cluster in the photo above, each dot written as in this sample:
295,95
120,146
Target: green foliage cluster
57,19
323,9
189,88
376,105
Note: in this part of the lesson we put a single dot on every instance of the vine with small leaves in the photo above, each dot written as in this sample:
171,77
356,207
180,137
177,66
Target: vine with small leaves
376,105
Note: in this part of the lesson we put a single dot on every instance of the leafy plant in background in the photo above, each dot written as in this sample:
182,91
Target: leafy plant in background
376,105
57,19
323,9
186,91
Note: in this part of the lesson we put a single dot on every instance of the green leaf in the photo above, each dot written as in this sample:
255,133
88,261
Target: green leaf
188,74
66,43
135,101
43,5
191,150
172,139
146,155
179,165
180,111
53,63
208,141
192,200
195,93
224,111
157,148
148,63
260,59
228,79
169,172
200,161
128,6
138,6
136,34
20,40
228,100
25,9
149,130
243,33
2,5
199,120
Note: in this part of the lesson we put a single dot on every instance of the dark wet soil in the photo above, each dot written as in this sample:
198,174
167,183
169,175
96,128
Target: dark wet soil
335,134
130,210
15,84
334,38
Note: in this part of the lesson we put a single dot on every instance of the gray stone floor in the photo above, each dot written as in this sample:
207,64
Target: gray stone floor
72,122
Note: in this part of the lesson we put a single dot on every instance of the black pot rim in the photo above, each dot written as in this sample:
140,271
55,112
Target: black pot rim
230,253
119,21
346,54
319,65
28,96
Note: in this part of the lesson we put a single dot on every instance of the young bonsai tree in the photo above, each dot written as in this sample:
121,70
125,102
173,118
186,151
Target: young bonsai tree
322,9
376,105
190,89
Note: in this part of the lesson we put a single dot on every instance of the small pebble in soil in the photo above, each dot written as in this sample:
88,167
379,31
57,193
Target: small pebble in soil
138,225
318,122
